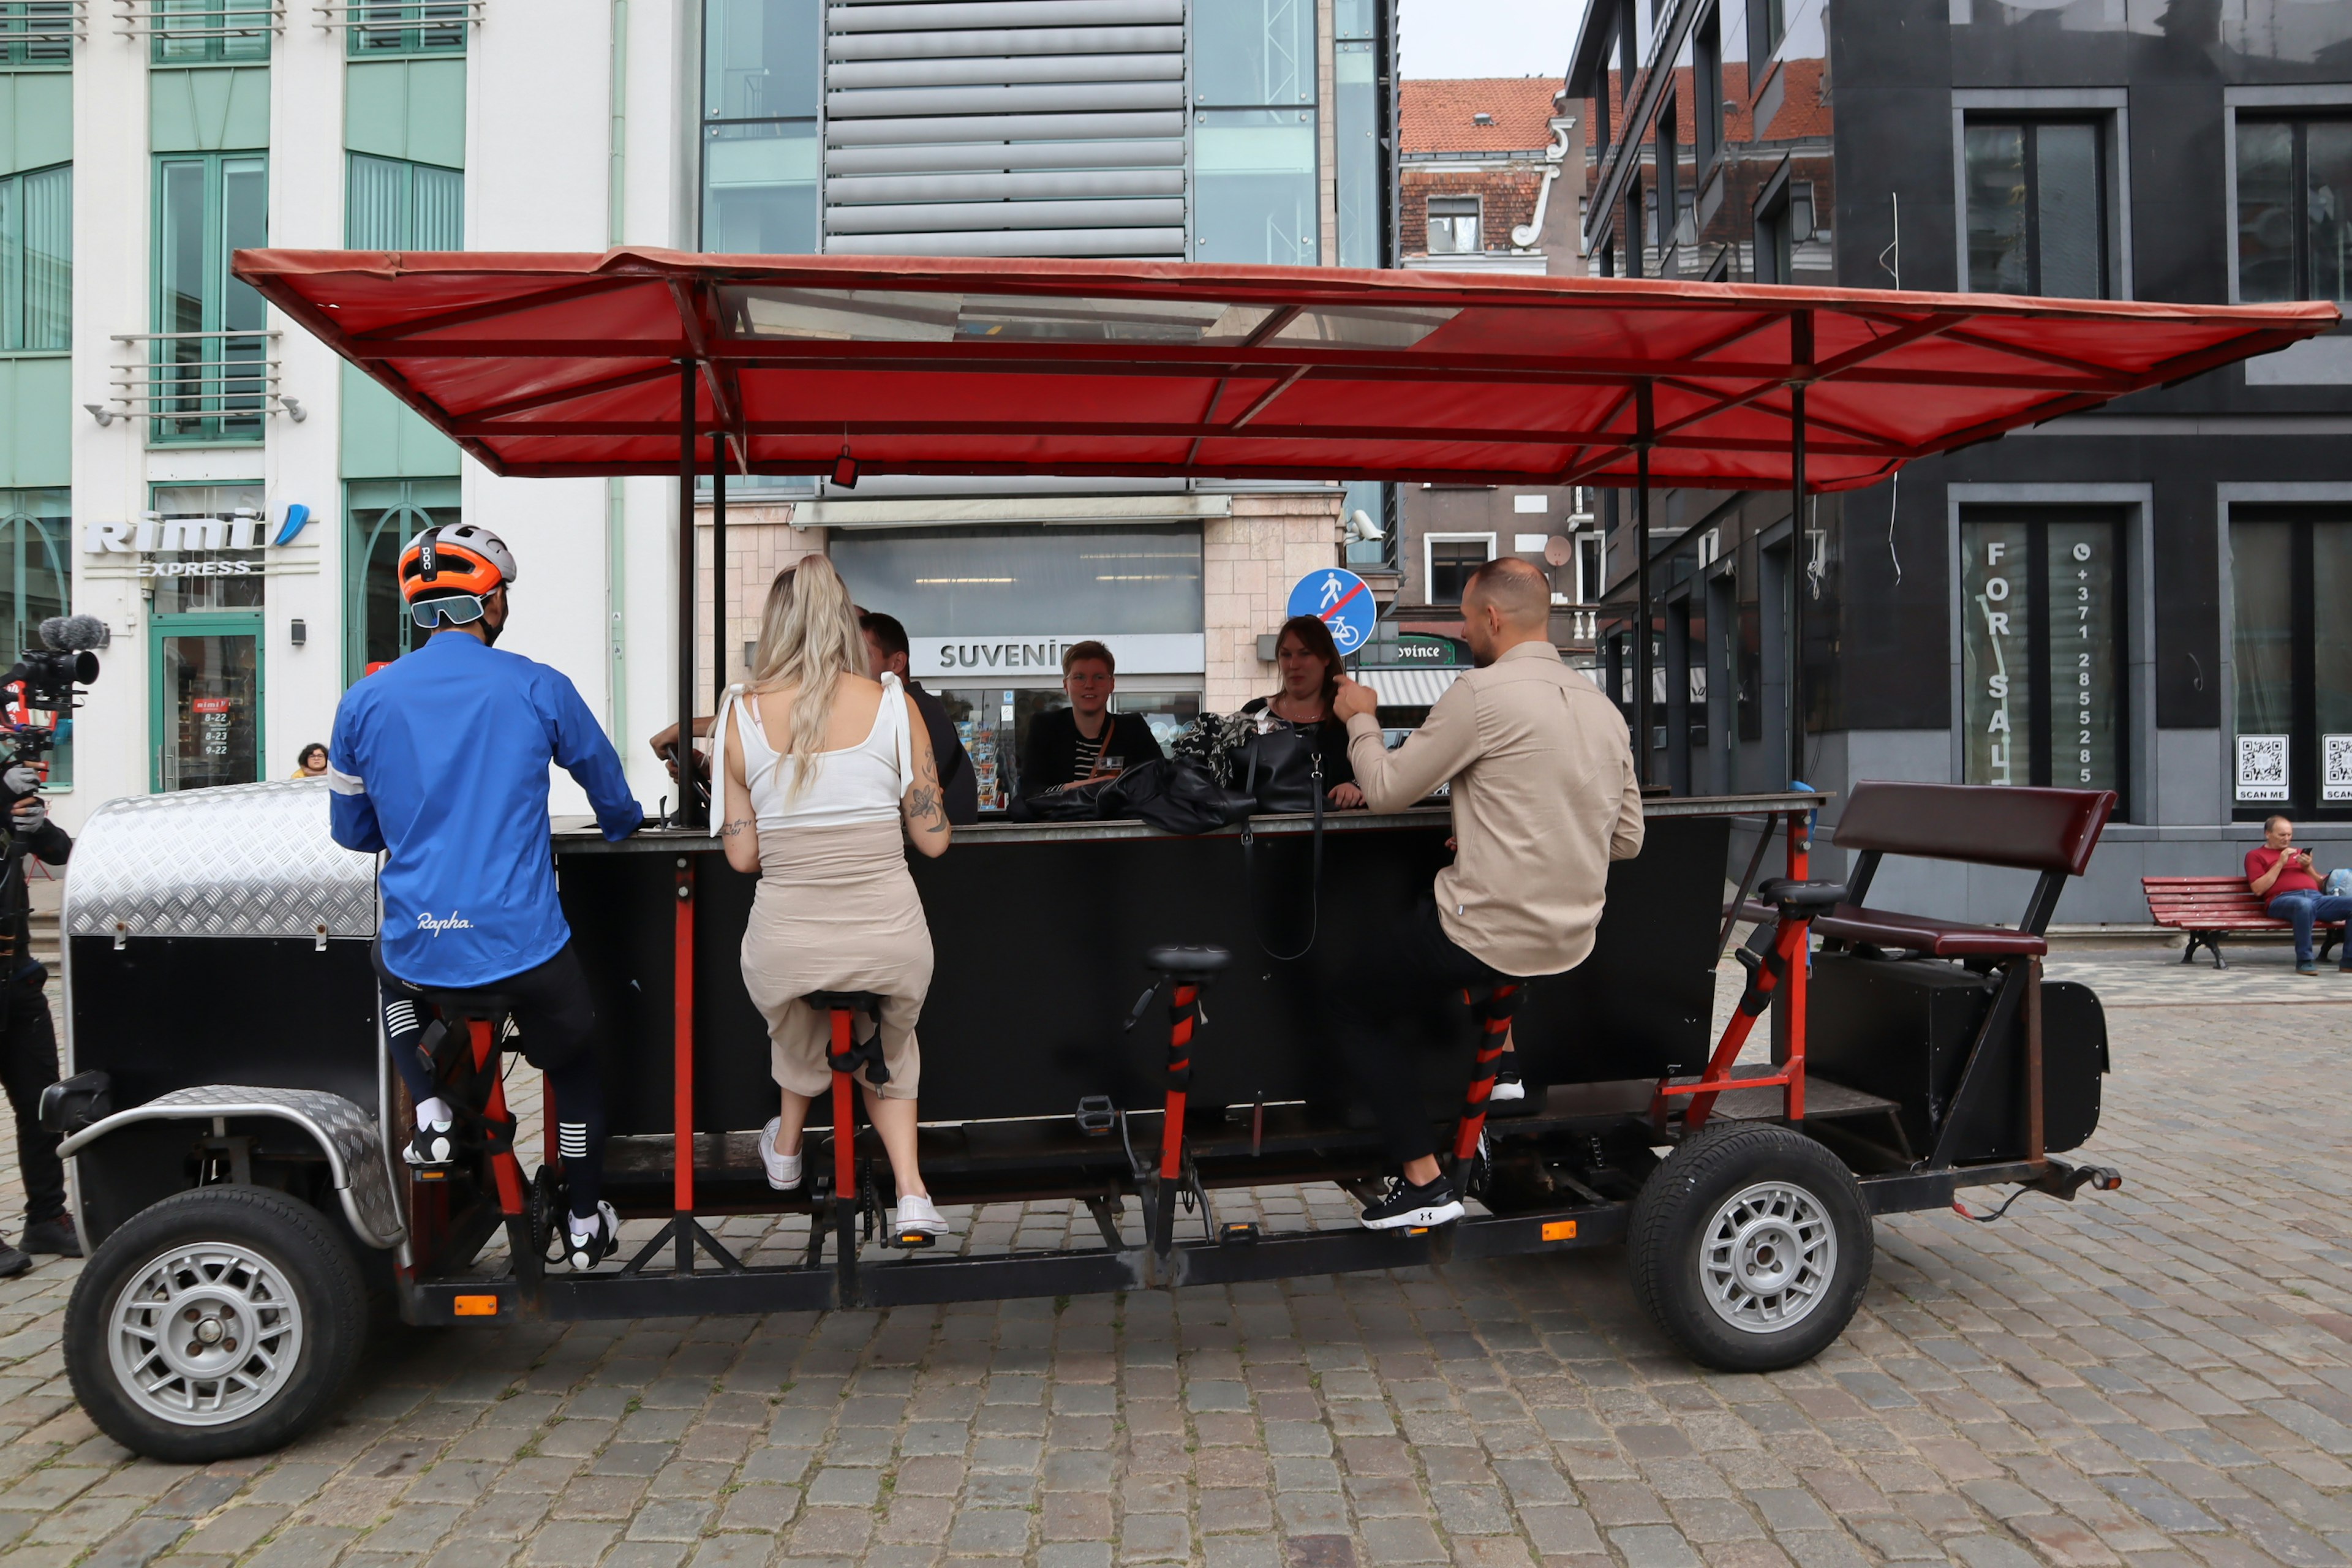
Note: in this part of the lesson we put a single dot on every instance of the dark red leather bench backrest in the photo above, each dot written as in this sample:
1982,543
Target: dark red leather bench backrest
1985,825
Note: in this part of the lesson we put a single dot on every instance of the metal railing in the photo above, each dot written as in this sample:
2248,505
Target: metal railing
221,19
196,384
33,32
400,25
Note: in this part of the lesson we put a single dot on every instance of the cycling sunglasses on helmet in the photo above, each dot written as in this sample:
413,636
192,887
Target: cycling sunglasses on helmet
448,609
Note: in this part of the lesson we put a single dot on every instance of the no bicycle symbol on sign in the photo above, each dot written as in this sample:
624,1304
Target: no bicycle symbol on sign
1339,599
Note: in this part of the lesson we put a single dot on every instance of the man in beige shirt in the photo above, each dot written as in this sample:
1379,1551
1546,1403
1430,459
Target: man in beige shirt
1544,798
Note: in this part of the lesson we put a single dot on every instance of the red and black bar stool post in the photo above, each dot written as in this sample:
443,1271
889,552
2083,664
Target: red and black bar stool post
1775,957
844,1055
1495,1007
1185,973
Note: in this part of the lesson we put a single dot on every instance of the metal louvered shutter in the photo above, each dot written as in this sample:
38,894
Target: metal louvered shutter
1005,128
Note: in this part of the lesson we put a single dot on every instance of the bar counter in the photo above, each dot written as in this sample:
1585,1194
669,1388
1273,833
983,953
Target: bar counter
1039,931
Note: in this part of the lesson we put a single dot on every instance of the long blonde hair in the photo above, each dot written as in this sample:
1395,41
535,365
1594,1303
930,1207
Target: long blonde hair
808,637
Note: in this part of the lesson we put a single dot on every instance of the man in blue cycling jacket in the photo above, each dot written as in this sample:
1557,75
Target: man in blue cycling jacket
440,759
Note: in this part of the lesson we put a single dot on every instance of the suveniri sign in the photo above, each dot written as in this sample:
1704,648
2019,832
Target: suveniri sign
1040,653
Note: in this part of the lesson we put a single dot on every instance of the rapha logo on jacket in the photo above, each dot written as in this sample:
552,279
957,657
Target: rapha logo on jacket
436,924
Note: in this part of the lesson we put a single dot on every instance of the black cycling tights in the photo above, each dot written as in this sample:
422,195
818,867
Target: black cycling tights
552,1025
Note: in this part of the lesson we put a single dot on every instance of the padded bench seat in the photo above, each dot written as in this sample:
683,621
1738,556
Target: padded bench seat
1915,933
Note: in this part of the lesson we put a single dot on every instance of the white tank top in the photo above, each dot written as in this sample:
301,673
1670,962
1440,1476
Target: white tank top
863,783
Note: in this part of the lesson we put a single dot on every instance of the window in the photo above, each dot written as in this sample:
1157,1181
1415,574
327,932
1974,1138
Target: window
760,92
1253,182
1590,582
1706,88
36,259
1768,24
210,380
1364,228
2292,654
189,595
36,582
37,32
396,205
2042,650
1666,199
1450,558
1453,226
2037,208
197,32
381,30
380,516
1253,53
1775,236
2294,210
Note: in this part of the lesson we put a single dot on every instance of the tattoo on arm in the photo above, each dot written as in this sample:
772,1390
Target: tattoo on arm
922,802
739,826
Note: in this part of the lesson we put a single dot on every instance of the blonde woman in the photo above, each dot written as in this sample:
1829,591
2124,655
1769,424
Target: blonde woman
826,769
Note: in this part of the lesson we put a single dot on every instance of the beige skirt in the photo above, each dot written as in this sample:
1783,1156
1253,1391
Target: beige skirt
836,910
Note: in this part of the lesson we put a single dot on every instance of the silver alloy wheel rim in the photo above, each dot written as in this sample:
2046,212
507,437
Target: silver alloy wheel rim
1767,1257
204,1334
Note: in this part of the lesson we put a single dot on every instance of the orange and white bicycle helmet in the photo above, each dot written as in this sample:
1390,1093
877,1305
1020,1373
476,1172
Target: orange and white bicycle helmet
446,573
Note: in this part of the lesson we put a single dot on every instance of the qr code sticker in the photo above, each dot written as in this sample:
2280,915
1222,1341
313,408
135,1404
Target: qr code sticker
2262,767
2335,767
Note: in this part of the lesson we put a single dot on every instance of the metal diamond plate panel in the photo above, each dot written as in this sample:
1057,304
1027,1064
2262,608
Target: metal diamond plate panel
244,861
345,1130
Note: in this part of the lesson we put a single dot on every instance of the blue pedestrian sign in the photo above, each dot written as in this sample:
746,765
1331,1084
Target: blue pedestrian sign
1343,601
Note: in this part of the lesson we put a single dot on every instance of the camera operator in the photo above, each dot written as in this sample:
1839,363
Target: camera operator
28,1037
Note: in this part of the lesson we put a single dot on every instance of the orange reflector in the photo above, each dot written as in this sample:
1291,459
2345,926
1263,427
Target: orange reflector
474,1306
1559,1230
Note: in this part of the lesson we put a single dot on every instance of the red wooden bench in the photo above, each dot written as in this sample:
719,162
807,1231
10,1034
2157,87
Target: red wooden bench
2205,907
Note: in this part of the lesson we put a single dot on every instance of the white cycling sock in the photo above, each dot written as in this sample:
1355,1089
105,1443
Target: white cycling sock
434,1112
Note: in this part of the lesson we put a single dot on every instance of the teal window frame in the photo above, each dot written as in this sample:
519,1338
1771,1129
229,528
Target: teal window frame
398,29
208,413
429,206
19,17
37,290
379,517
745,112
37,525
207,32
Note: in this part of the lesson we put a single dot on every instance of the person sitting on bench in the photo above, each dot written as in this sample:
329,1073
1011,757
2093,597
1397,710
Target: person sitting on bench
441,758
2282,877
1544,798
823,769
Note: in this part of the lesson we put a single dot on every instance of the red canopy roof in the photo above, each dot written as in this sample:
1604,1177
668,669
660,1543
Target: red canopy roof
557,364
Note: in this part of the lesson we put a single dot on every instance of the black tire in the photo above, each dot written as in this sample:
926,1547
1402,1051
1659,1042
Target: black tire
1737,1209
276,1273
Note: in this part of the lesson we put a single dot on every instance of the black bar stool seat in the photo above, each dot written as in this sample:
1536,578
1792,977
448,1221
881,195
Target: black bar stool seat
1187,962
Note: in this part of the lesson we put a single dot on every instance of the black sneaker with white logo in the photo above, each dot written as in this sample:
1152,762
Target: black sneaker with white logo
1410,1206
584,1250
432,1150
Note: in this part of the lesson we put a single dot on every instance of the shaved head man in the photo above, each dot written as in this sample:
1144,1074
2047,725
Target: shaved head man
1544,798
1506,602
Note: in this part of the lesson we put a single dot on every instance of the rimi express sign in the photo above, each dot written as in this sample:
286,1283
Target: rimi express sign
233,546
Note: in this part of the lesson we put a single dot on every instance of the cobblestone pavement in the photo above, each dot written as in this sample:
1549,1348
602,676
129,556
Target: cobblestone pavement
2157,1376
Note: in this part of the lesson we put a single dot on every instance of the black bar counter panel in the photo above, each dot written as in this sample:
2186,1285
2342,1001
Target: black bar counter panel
1039,933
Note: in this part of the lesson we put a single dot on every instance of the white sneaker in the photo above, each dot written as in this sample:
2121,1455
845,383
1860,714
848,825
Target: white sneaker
783,1170
1507,1088
917,1217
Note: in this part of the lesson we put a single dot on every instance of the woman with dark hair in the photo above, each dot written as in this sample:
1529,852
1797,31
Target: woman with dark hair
310,761
1310,667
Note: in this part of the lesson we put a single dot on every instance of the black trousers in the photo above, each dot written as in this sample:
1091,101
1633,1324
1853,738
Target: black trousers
1393,999
554,1022
28,1063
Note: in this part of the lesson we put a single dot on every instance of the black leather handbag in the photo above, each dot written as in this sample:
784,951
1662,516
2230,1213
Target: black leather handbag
1282,767
1175,796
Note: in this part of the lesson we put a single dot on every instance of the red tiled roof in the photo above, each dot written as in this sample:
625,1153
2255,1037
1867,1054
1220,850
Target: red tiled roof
1438,116
1800,114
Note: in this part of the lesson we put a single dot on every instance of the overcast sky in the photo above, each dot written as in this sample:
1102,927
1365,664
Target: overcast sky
1487,37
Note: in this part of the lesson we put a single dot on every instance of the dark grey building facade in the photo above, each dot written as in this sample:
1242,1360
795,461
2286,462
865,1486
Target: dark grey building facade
2155,597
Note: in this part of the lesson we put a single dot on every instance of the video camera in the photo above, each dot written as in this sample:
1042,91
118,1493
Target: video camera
51,678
